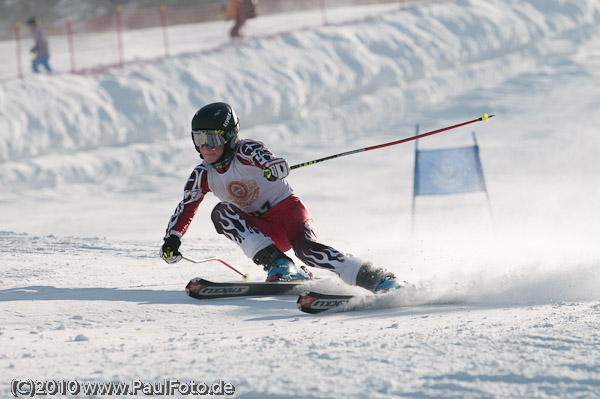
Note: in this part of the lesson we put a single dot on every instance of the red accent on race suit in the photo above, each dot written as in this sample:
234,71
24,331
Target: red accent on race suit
285,223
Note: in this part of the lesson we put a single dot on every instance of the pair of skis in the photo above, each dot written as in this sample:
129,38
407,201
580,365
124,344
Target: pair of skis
308,301
311,301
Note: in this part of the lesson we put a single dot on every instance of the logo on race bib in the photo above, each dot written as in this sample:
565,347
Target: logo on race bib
243,192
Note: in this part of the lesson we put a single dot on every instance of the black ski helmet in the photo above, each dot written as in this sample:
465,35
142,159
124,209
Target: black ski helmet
219,117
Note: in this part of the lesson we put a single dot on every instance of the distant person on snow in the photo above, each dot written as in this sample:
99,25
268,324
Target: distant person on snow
259,210
240,11
40,47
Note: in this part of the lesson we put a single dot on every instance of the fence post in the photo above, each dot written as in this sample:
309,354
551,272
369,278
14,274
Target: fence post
119,16
163,21
324,12
69,31
18,41
242,19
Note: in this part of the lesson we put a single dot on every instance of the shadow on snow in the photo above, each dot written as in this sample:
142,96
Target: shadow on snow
140,296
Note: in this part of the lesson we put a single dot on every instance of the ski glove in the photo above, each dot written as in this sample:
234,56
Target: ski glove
276,169
170,249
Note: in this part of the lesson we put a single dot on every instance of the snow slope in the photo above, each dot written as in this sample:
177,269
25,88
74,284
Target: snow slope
92,167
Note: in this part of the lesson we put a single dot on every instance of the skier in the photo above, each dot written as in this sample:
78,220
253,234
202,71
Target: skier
240,11
40,47
258,209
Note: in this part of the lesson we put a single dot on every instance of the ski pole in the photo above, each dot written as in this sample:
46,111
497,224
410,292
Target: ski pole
246,276
484,118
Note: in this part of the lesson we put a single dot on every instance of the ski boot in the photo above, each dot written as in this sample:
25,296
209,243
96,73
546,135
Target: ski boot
278,266
377,280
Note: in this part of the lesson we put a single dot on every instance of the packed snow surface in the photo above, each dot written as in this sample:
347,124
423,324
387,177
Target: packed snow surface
91,168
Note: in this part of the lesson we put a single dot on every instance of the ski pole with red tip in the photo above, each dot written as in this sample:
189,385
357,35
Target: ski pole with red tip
484,118
246,276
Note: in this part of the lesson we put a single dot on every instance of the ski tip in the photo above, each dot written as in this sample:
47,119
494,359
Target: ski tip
314,302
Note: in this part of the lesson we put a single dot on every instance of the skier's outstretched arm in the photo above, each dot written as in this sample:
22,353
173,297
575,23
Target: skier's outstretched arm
193,194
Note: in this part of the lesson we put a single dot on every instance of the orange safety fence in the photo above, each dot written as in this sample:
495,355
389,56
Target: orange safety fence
94,44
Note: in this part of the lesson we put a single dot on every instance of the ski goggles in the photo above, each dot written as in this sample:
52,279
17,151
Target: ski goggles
212,139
